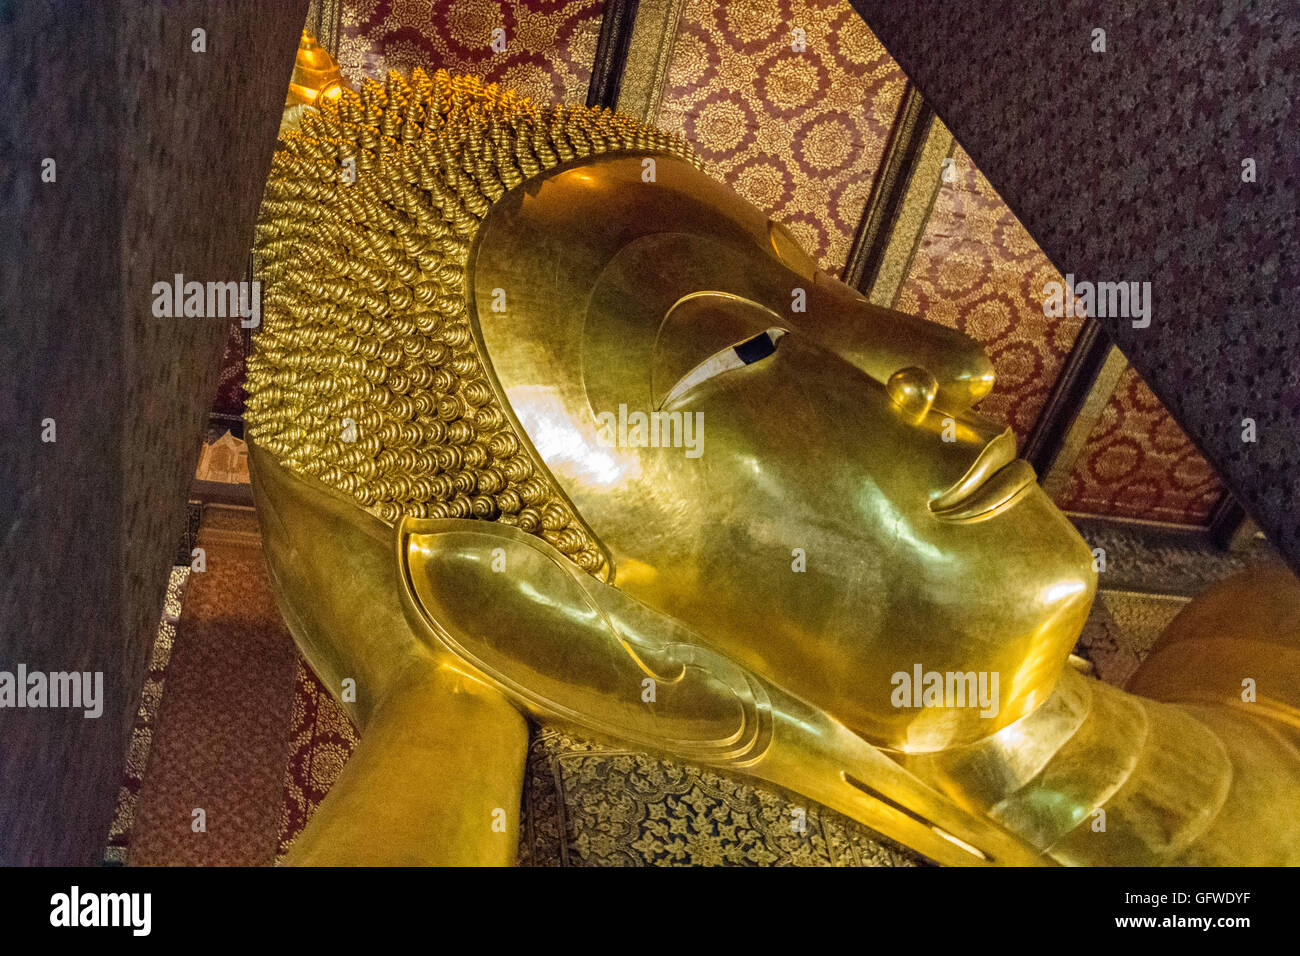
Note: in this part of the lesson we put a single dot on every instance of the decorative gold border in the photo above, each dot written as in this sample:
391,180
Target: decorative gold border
913,215
324,18
648,58
1085,419
897,165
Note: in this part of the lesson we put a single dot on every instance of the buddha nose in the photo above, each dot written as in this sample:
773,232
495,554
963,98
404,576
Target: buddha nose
913,390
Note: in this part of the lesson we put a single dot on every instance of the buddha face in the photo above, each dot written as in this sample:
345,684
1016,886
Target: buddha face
795,474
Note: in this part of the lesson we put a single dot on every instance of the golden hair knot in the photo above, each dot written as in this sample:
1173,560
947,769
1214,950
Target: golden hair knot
475,456
449,408
366,312
449,458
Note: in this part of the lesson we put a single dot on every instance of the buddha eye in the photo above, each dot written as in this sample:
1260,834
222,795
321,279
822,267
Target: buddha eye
751,350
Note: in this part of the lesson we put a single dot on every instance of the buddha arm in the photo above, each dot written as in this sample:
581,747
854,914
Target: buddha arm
1101,776
436,781
438,774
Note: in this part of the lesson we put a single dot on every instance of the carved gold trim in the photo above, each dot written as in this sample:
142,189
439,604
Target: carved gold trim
648,58
906,231
1058,473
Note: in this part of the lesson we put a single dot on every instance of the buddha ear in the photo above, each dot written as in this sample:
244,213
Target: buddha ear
565,646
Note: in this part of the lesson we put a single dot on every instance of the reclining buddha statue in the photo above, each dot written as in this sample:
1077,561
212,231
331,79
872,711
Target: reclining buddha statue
546,424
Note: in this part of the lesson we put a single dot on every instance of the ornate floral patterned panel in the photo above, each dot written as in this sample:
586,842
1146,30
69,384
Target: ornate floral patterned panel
977,269
230,386
1138,463
321,739
799,134
589,805
550,45
585,804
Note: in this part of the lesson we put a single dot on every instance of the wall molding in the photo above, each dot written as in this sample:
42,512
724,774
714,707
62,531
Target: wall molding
616,27
649,56
898,165
1078,398
324,20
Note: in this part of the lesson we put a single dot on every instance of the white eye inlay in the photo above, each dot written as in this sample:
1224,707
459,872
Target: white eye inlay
748,352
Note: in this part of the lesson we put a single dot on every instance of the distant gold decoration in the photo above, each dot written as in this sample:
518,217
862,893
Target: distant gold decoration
365,375
224,460
315,74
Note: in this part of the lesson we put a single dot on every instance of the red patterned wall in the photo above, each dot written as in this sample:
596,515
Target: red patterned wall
550,44
1138,463
979,271
230,386
321,739
798,134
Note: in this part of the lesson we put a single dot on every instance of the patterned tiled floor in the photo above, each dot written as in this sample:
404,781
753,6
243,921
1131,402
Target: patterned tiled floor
1164,560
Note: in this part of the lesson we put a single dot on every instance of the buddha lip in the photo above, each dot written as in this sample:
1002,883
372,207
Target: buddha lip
997,453
988,497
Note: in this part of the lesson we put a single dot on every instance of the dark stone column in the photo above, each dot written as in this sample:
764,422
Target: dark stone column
1127,166
160,156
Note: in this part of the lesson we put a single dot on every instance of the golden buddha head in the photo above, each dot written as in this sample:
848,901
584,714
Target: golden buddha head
552,318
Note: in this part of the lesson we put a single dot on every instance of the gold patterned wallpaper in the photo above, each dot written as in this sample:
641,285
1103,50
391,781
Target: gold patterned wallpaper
977,270
799,134
549,45
1137,463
